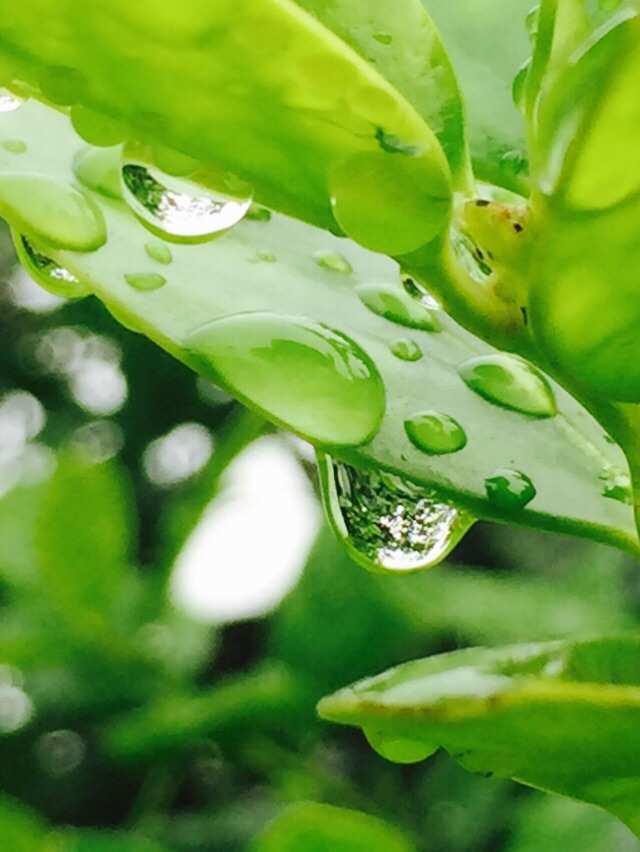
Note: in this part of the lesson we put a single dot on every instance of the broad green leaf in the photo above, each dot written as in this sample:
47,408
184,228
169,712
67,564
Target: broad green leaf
559,455
84,539
22,830
487,41
261,89
324,828
562,717
400,40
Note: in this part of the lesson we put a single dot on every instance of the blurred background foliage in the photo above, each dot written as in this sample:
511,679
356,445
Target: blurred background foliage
172,607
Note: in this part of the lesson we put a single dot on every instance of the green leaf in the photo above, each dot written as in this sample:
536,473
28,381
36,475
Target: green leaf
324,828
21,829
487,42
562,717
107,841
565,454
291,101
400,40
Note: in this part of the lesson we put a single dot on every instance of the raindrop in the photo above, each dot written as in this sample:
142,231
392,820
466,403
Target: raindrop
46,272
51,210
264,256
159,252
145,281
435,433
182,209
333,261
388,523
398,748
616,485
406,350
393,303
308,378
15,146
99,169
383,38
511,382
509,489
256,213
8,101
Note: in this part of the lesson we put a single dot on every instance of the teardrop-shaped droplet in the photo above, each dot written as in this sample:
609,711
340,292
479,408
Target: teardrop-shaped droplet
15,146
8,101
145,281
509,489
388,523
392,203
159,252
304,376
511,382
51,210
333,262
394,304
181,209
99,169
435,433
616,485
406,350
46,272
256,213
398,748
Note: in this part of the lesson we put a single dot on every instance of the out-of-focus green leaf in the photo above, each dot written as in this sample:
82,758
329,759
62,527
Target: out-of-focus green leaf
562,716
21,830
18,514
106,841
322,828
487,42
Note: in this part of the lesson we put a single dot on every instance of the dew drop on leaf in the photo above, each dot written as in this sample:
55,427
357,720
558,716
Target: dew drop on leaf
509,489
435,433
393,303
383,38
616,485
265,256
15,146
99,169
406,350
387,523
179,208
159,252
8,101
511,382
146,281
397,748
256,213
46,272
302,375
333,262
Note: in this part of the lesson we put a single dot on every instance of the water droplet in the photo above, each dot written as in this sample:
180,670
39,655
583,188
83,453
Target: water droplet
383,38
8,101
304,376
263,256
15,146
509,489
46,272
256,213
417,291
392,303
616,485
51,210
398,748
511,382
406,350
389,203
388,523
99,169
183,209
146,281
333,261
435,433
159,252
96,128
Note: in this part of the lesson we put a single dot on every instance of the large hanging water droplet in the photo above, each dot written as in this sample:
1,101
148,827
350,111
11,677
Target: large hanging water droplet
511,382
99,169
394,304
46,272
183,209
388,523
398,748
8,101
509,489
304,376
435,433
390,202
52,211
